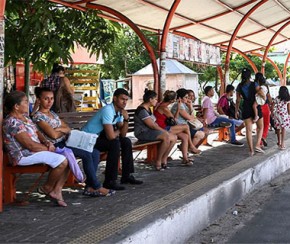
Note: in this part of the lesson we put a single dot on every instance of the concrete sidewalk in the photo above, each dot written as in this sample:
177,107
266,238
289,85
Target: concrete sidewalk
169,207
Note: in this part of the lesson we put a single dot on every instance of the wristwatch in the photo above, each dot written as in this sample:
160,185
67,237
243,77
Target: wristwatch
126,120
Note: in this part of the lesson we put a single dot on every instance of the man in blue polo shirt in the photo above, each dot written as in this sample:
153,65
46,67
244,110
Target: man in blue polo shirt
111,124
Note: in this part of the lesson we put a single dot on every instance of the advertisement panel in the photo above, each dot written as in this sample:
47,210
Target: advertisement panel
185,49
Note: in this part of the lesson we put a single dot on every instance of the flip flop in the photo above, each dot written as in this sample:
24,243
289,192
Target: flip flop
164,166
59,202
194,153
282,148
42,192
188,162
259,150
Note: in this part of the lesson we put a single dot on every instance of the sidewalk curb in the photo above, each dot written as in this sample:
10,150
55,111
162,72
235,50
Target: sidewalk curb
187,220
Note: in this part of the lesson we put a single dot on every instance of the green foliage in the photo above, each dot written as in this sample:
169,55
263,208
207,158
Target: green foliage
237,63
45,32
127,55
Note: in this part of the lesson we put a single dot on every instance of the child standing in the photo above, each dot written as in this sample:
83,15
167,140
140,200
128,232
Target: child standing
260,100
281,117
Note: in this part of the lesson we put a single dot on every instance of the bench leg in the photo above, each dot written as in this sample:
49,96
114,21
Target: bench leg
151,153
223,134
9,182
70,180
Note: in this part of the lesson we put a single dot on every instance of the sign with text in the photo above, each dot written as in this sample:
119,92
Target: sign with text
186,49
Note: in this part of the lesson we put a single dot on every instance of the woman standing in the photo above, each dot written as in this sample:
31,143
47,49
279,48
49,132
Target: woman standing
26,146
146,129
266,112
56,131
247,90
60,86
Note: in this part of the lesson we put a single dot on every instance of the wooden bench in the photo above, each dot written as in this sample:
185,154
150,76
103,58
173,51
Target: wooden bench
75,120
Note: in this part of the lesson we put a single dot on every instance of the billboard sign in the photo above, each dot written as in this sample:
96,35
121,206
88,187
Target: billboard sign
186,49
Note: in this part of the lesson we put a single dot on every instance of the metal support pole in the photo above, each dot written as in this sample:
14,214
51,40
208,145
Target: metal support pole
27,76
285,69
234,35
162,85
2,31
270,44
162,74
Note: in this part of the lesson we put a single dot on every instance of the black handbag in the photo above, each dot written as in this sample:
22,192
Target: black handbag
170,121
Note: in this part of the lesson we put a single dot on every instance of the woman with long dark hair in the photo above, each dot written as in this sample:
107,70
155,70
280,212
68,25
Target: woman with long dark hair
162,114
281,117
56,131
146,129
260,79
247,90
27,146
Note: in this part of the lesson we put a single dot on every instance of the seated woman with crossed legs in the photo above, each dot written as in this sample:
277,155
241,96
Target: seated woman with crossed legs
182,131
179,109
27,146
55,130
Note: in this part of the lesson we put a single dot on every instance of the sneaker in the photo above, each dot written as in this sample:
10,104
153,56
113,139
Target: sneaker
237,143
225,124
131,180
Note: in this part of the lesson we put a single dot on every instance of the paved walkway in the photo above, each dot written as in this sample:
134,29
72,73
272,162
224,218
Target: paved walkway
40,222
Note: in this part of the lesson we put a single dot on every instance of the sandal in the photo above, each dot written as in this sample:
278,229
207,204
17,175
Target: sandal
97,193
42,192
164,166
265,143
59,202
159,168
259,150
188,162
282,147
195,153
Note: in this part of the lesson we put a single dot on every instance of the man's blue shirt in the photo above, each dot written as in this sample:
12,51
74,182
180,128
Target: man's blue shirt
105,116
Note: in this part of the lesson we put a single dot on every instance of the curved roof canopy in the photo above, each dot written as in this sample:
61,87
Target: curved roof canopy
211,21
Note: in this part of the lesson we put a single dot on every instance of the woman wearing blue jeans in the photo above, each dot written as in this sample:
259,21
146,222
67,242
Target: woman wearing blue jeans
56,131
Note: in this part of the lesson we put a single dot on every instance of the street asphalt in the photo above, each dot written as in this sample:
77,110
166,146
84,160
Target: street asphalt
272,224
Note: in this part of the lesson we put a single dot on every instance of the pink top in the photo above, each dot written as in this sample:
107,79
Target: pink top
210,114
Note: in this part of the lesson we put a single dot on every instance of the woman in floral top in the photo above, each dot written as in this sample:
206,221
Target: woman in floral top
26,146
56,131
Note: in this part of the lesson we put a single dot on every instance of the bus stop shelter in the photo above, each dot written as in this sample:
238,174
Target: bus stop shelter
244,26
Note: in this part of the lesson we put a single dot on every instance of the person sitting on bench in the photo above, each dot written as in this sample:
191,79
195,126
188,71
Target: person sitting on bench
179,108
56,131
164,116
27,146
146,129
111,124
226,106
213,119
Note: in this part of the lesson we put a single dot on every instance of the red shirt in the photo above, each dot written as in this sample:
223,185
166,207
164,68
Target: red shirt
160,119
224,104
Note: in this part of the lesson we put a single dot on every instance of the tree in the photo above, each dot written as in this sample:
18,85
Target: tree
127,55
45,32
